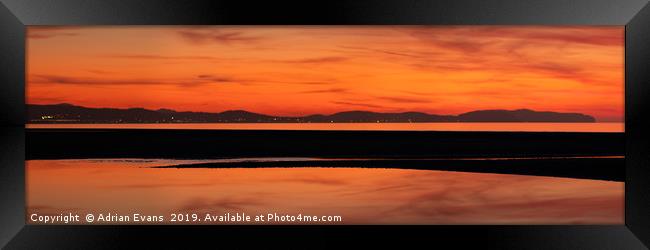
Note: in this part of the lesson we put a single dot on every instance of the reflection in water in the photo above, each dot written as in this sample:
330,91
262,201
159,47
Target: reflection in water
359,195
421,126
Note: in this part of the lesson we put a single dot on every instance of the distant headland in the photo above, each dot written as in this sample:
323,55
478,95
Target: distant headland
68,113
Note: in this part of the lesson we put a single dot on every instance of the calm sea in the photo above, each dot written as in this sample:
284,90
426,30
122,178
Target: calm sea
492,126
358,195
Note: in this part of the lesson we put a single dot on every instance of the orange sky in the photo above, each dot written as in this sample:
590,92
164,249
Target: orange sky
300,70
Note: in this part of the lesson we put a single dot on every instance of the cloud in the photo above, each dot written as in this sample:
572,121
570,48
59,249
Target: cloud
319,91
452,38
555,68
159,57
215,35
357,104
313,83
512,50
158,185
468,47
410,54
404,99
198,80
99,71
50,32
603,37
215,78
318,60
472,38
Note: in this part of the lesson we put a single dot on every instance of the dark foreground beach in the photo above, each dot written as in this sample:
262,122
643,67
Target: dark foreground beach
574,155
611,169
202,144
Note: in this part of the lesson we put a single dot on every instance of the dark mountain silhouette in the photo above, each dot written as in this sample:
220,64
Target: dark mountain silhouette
68,113
523,115
366,116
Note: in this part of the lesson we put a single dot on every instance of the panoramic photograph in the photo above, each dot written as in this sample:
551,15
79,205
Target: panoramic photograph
325,125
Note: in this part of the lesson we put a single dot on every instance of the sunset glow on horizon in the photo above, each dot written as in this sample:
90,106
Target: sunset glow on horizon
304,70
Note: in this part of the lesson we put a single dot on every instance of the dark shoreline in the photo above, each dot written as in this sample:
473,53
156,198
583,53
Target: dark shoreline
211,144
609,169
397,149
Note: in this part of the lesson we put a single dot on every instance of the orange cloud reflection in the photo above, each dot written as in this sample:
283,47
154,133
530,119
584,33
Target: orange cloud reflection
360,196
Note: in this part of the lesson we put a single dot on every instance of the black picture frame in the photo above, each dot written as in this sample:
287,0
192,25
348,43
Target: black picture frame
15,15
